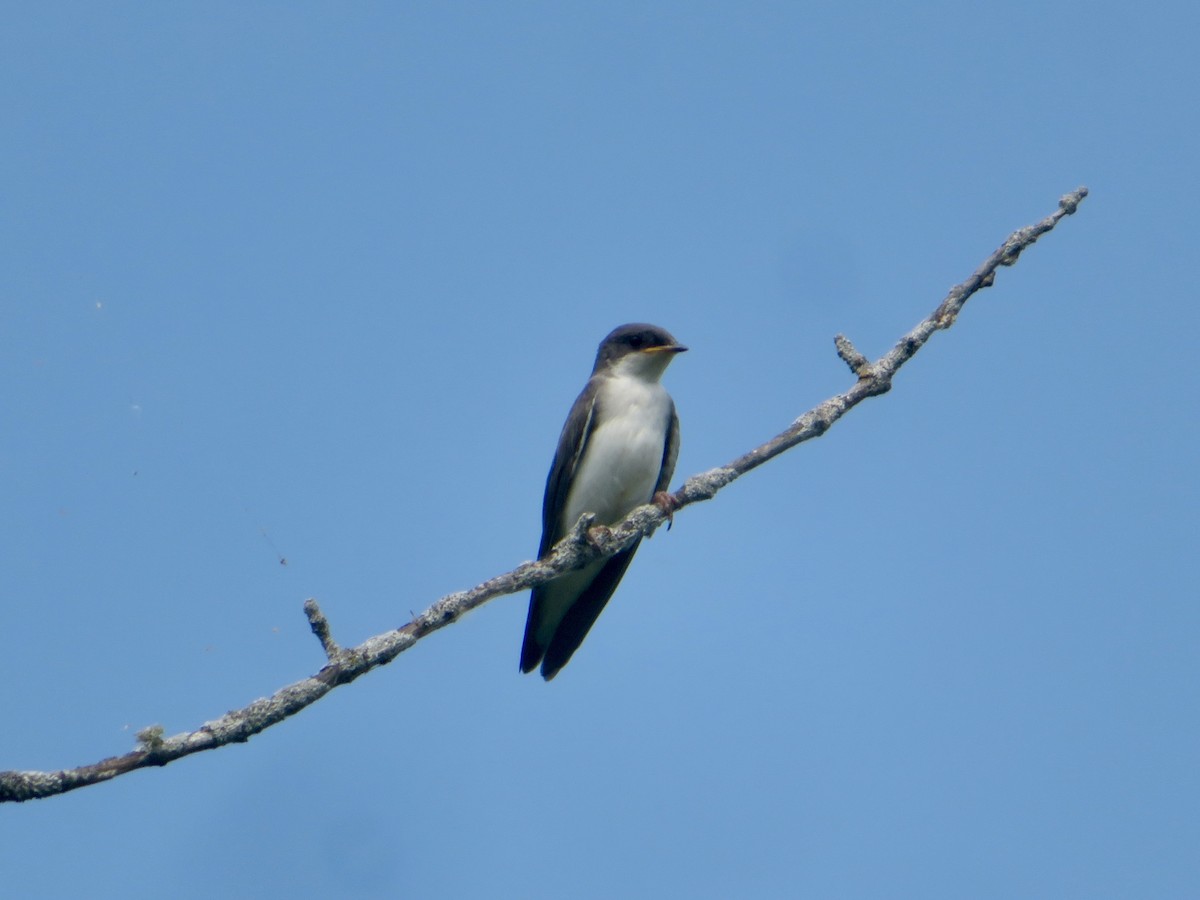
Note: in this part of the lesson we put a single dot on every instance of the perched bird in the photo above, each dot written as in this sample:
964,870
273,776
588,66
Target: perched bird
617,450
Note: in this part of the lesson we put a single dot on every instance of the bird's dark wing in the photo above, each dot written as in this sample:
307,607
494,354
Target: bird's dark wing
576,431
583,613
670,453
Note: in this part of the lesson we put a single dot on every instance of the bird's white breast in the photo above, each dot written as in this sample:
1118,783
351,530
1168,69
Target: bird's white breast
624,454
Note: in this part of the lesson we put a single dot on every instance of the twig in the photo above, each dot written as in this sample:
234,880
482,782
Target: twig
574,551
320,627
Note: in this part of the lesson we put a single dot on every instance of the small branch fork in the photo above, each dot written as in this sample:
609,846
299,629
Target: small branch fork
574,551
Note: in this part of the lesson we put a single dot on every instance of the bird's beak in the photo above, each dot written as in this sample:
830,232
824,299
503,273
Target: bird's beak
669,348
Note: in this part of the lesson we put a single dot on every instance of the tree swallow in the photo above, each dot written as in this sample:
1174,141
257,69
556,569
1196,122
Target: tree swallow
617,450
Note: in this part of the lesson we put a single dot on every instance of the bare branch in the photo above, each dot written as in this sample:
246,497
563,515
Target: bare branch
581,546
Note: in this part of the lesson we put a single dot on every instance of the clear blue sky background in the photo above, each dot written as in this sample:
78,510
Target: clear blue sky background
321,281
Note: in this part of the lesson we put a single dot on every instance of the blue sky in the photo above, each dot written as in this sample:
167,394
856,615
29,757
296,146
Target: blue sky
321,281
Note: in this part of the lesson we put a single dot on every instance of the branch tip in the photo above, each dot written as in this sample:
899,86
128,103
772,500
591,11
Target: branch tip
858,363
150,738
579,533
1068,203
320,627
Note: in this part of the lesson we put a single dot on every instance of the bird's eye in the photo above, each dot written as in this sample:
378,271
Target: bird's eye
636,341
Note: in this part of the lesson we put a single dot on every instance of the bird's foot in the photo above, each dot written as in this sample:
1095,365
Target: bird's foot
598,534
667,502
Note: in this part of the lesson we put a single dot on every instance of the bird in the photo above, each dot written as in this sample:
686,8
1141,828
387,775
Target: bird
617,451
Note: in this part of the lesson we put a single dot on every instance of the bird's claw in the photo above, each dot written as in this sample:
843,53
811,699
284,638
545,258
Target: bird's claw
598,534
667,502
